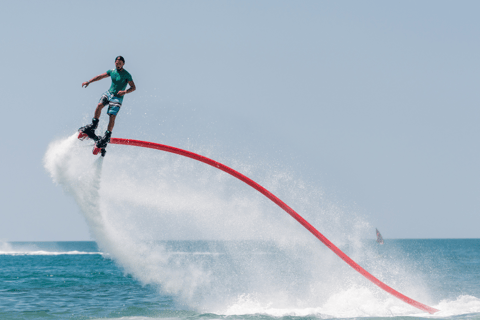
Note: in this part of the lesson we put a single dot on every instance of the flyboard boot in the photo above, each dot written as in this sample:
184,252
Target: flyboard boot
101,144
88,131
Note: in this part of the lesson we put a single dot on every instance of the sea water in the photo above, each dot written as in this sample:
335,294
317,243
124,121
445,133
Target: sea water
75,280
178,239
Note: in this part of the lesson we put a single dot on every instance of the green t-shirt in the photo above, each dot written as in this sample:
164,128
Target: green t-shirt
119,80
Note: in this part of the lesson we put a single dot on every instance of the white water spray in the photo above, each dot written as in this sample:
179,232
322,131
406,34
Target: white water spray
135,198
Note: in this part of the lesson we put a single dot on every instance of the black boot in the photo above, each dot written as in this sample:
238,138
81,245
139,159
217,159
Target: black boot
102,142
89,129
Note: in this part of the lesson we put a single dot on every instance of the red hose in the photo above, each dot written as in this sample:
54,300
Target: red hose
281,204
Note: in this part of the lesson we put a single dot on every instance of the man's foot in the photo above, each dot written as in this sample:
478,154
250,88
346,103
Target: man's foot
89,130
102,142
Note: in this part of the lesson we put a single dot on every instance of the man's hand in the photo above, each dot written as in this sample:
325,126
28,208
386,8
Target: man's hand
129,90
85,84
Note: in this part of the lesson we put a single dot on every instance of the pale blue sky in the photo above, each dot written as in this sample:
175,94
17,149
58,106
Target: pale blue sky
375,102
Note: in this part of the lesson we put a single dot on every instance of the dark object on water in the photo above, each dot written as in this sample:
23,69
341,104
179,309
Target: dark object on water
379,236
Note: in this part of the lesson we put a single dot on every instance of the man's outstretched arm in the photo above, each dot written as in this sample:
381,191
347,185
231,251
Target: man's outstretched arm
131,89
99,77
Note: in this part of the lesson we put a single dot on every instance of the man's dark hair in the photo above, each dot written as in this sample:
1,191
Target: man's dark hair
120,58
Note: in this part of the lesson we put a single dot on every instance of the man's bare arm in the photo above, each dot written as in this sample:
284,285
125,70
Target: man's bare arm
131,89
99,77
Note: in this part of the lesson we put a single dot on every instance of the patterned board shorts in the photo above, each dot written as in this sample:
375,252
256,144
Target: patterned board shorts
114,102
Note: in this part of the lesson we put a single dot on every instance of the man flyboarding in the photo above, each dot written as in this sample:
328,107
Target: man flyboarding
113,98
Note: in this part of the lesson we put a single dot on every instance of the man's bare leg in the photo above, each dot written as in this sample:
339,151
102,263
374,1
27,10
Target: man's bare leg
111,123
102,143
98,110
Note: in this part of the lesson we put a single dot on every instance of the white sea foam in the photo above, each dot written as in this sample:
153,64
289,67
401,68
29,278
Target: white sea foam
46,253
16,249
463,304
134,197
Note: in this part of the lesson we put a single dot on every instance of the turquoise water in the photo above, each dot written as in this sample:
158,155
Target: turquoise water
74,280
71,280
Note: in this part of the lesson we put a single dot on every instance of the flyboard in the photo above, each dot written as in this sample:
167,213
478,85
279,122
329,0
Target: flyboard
96,150
281,204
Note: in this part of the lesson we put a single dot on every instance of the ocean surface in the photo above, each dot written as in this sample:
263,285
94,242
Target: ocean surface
75,280
177,239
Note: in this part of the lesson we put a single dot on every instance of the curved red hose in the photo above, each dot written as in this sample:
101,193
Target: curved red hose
281,204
